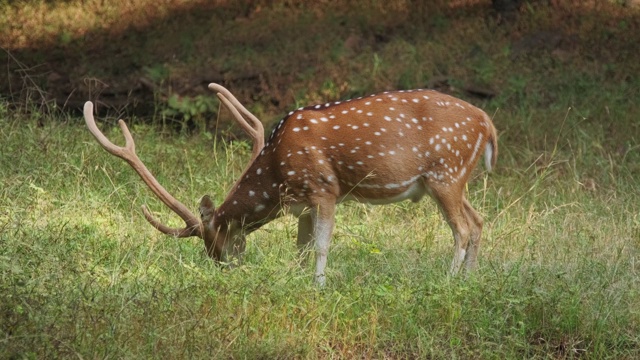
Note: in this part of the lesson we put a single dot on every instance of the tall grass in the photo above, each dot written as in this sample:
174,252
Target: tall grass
83,274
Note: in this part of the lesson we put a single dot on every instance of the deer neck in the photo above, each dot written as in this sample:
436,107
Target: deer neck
254,199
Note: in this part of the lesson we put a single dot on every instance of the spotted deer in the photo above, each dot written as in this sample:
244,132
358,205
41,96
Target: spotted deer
378,149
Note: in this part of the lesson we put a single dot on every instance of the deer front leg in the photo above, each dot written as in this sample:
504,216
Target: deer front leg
323,224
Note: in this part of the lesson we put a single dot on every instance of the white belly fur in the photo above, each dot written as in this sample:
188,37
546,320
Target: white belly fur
415,192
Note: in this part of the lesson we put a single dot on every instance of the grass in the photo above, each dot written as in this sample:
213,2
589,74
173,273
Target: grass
84,275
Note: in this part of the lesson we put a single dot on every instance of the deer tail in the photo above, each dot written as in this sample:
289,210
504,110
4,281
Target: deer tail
491,147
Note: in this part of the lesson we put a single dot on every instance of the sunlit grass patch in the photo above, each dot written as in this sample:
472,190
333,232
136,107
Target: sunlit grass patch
83,273
46,23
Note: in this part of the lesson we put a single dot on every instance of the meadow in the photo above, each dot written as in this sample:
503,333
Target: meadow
83,275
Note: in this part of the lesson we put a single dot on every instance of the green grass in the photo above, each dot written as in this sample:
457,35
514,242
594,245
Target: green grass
82,274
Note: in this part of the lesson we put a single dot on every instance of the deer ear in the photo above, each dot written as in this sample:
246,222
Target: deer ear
206,208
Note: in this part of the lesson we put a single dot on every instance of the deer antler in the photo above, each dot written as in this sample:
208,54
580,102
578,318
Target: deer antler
128,153
253,127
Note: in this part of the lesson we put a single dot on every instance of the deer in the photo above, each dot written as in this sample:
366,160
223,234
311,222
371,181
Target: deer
379,149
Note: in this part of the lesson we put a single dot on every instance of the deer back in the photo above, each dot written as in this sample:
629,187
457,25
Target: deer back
381,148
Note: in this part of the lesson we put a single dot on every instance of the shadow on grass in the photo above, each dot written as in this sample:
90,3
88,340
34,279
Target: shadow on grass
270,52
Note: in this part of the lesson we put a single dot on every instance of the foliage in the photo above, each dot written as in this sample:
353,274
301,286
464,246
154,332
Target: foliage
196,108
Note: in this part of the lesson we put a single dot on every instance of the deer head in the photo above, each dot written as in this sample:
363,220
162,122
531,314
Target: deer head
378,149
219,240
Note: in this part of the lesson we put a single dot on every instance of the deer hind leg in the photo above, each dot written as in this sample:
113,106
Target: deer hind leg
461,240
475,224
323,223
455,214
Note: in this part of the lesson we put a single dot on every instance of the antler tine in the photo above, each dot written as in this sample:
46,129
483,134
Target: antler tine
256,134
128,153
253,127
189,230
